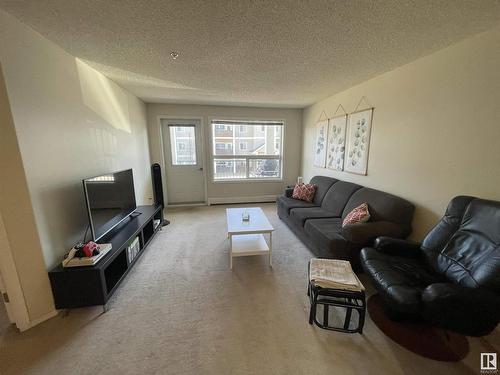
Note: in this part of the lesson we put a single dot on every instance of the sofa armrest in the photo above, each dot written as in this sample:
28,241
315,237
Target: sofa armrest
364,233
470,311
289,191
397,246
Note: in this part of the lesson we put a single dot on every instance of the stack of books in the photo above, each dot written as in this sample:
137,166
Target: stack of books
133,249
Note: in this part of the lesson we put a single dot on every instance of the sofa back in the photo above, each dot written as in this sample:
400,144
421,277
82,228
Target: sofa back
382,207
322,183
465,245
338,195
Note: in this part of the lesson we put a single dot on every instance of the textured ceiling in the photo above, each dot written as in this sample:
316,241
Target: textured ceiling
274,52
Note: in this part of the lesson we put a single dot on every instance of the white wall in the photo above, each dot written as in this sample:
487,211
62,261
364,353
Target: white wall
436,128
292,143
71,123
21,261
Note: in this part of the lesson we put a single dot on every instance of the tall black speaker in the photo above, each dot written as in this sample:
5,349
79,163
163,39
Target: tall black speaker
158,187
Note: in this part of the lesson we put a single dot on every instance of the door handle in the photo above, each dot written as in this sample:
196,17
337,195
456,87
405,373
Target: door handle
200,169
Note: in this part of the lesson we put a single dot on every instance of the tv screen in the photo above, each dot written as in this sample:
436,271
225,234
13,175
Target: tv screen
110,199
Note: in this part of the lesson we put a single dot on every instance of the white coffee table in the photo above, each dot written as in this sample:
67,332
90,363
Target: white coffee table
247,237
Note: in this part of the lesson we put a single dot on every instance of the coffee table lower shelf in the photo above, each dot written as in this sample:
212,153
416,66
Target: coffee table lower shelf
249,244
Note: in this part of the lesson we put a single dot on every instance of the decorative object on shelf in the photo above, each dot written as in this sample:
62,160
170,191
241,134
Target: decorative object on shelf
245,216
336,142
358,143
321,138
85,255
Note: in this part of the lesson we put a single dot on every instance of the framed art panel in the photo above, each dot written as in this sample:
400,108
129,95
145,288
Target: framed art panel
320,144
336,143
358,143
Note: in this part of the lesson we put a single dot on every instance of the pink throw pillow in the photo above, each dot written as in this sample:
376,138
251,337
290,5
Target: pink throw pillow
358,215
304,192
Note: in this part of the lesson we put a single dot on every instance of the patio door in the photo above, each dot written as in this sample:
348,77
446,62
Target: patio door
184,164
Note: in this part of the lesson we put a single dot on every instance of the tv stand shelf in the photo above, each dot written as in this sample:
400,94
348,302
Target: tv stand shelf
94,285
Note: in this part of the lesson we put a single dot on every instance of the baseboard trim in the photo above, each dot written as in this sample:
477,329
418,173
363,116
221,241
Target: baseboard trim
254,199
37,321
186,205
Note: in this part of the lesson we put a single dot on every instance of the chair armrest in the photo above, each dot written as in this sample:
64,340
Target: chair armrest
470,311
397,246
364,233
289,191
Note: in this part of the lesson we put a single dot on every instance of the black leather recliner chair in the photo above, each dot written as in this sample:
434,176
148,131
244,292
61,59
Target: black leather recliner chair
452,279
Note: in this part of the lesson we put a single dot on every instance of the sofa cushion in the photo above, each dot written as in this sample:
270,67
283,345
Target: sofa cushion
325,233
383,206
300,215
399,280
338,195
365,233
304,192
285,204
323,184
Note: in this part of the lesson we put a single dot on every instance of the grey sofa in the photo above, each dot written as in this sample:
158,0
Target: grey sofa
319,224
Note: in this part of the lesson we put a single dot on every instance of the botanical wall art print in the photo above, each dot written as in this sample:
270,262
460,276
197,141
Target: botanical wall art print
336,143
358,144
320,144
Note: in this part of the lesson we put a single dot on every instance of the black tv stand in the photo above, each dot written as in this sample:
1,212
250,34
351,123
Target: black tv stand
94,285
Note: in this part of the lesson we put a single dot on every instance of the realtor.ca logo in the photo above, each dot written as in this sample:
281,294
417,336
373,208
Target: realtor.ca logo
489,363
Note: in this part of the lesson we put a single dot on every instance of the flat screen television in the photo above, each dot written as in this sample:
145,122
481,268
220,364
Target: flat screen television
110,199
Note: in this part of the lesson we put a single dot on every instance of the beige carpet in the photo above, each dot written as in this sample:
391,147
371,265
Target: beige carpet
182,311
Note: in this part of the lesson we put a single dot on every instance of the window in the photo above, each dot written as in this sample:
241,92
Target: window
253,150
183,145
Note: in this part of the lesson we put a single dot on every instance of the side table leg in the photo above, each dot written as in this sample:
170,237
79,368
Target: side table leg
348,314
362,313
270,249
312,311
230,252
